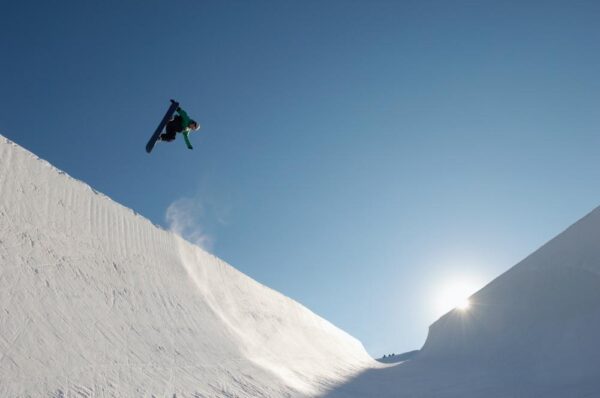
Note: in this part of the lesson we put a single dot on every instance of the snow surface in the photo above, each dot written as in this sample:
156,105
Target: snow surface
532,332
95,301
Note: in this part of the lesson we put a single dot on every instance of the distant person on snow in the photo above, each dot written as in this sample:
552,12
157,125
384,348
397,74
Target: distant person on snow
180,124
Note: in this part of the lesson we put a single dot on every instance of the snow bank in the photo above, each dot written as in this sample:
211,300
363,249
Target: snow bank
95,301
538,323
532,332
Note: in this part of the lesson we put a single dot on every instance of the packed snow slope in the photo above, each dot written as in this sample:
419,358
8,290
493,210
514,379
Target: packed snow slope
532,332
95,301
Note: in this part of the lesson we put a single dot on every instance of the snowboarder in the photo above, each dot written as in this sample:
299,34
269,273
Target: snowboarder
180,124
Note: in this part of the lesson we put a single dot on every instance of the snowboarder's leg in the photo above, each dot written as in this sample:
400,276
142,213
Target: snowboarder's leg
166,137
170,131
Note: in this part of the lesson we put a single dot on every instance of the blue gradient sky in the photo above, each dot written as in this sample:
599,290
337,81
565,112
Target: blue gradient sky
354,155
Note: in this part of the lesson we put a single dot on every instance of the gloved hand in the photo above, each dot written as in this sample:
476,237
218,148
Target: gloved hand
190,147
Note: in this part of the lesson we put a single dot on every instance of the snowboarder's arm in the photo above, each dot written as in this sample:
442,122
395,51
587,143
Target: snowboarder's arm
187,139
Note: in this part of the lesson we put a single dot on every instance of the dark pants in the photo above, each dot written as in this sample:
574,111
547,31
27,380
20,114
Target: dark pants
173,127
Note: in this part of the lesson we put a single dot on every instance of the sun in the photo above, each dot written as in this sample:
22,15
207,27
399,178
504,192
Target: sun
455,294
463,305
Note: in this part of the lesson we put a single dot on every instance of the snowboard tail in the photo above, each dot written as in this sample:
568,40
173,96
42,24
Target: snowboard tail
161,126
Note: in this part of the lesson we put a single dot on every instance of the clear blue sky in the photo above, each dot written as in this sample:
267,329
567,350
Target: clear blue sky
353,155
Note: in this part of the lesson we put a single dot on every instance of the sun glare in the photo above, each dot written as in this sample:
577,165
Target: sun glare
455,295
463,305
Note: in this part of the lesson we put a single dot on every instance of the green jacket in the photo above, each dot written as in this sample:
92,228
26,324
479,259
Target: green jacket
186,130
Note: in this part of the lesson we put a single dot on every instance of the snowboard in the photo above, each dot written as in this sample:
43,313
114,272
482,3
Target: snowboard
161,126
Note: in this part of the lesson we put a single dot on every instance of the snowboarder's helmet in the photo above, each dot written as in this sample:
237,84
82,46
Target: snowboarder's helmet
194,123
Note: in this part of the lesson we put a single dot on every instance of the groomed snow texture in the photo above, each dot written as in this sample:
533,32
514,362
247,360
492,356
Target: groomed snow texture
95,301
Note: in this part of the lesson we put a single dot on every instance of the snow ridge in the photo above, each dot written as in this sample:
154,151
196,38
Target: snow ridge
539,322
532,332
95,301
